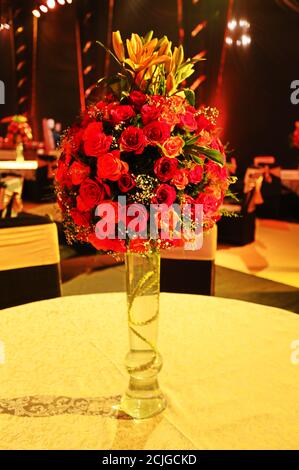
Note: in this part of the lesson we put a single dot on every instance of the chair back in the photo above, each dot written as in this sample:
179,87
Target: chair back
264,160
29,260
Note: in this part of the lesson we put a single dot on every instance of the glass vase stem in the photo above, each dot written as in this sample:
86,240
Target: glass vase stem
143,398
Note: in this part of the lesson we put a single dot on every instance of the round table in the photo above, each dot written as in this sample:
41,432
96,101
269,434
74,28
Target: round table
228,376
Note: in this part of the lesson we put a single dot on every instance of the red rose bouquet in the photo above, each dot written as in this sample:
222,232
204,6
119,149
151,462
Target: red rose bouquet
129,169
144,143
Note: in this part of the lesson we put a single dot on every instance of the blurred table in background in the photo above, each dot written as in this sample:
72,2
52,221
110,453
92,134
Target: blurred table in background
25,168
290,180
7,154
227,375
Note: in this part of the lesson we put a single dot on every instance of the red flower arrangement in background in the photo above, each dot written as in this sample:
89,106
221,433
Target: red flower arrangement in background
149,146
295,139
19,131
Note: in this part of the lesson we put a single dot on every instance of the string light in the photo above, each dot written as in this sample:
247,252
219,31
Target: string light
4,26
238,33
48,6
36,13
51,4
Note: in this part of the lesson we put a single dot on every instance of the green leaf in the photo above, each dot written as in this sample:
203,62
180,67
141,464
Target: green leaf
148,37
192,141
196,159
211,154
103,79
109,52
190,96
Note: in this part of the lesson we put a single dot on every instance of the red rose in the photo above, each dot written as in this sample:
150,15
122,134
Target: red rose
180,179
216,144
62,175
159,100
137,99
203,123
96,143
120,113
170,117
111,167
76,134
81,218
139,245
132,140
126,182
150,113
210,202
188,122
103,108
173,146
79,172
165,194
157,132
215,172
91,193
196,174
117,246
165,168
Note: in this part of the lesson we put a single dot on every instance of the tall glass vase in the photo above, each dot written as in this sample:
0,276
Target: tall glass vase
143,397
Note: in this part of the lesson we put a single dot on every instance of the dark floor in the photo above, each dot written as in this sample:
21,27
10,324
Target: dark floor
92,274
237,285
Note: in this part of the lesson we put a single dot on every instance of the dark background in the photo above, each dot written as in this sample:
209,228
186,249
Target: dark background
257,114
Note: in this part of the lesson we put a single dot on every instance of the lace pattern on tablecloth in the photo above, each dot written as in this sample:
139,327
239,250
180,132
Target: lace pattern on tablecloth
46,406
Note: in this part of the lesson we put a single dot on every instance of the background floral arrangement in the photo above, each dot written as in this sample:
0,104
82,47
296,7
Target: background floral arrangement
145,140
19,131
295,136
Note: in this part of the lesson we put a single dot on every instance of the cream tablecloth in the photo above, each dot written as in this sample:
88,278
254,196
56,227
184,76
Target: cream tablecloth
227,374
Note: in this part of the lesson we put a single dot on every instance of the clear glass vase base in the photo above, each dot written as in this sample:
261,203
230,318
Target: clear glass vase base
142,408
